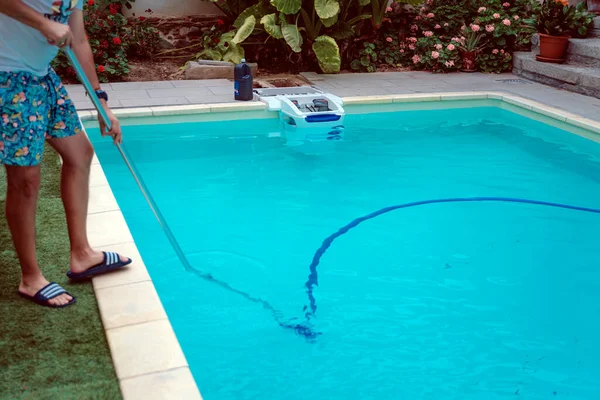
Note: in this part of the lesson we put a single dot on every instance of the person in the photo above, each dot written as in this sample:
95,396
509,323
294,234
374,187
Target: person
35,108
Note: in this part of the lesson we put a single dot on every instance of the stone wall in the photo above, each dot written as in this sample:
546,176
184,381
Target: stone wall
177,32
173,8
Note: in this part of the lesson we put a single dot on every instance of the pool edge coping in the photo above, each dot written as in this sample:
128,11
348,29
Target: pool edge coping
145,351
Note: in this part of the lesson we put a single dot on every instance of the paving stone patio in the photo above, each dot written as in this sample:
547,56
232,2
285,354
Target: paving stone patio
142,94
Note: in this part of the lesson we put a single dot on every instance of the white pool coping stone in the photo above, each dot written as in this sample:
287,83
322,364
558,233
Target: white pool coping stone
146,354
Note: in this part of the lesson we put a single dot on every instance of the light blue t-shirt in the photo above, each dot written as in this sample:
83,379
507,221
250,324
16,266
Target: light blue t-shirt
23,48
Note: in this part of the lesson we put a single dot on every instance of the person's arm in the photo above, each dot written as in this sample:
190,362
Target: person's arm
54,32
83,51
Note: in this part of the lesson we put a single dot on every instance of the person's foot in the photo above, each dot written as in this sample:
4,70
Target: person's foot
30,286
82,261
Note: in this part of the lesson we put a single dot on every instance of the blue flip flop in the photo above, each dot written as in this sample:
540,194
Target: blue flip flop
111,262
47,293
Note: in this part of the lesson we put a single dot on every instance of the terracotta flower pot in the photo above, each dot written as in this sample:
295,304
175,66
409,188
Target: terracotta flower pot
553,48
468,61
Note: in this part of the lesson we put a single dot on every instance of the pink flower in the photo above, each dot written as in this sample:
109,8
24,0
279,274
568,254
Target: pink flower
414,28
435,54
495,51
516,17
60,102
475,28
506,21
412,39
496,15
449,63
455,39
507,4
418,18
446,24
389,9
32,118
389,39
411,46
430,15
462,28
482,9
502,51
1,146
401,50
15,125
489,28
423,9
430,2
451,47
437,26
416,59
438,46
428,33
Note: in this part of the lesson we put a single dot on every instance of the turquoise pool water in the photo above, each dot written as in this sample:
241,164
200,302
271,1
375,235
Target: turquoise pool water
450,301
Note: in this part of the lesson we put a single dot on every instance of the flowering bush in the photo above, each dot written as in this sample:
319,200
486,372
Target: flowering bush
385,51
435,54
494,60
112,38
143,38
472,25
106,29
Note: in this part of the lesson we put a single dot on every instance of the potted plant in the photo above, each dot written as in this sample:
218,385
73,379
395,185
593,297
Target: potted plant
553,22
582,21
471,44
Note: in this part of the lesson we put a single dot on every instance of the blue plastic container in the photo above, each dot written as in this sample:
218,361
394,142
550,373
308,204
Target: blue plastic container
242,74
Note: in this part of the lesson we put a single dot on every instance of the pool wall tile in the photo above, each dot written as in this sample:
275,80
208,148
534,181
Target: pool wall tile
176,384
584,123
518,101
134,273
180,110
102,200
494,95
97,177
416,98
133,112
451,96
144,348
354,100
129,304
108,228
249,106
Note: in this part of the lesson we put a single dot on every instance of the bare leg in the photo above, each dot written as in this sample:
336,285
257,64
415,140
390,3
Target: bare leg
21,202
77,153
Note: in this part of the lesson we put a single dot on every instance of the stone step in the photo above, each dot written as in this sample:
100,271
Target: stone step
596,29
575,78
584,52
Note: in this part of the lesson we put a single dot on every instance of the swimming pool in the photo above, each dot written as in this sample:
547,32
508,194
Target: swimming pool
464,301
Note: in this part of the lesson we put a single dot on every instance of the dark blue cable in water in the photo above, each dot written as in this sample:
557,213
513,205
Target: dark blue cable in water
305,328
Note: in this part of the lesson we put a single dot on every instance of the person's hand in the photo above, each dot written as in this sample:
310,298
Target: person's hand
57,34
115,126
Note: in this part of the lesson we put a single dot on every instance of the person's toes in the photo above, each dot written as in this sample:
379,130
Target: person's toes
55,301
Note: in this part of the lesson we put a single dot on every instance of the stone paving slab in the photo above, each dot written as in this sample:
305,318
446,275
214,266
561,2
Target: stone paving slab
147,94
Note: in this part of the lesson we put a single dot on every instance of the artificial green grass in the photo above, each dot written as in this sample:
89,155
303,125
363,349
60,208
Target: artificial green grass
50,353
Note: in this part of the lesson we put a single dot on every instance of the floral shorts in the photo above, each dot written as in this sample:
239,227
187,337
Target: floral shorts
33,108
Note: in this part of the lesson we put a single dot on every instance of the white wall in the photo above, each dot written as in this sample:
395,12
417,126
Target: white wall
173,8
